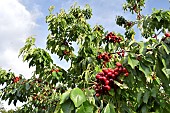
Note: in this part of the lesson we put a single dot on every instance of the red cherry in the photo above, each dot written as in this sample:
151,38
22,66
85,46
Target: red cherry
118,64
97,90
109,69
104,79
124,70
106,82
57,70
167,34
105,71
126,74
99,57
52,70
113,76
120,69
123,54
101,78
65,52
129,24
116,69
107,87
101,73
97,94
109,74
116,73
98,76
118,53
112,70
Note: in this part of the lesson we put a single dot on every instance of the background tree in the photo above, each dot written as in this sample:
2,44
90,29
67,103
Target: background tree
110,73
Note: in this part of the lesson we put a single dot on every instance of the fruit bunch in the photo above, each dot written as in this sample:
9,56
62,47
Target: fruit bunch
55,70
65,52
105,56
16,79
105,79
113,38
121,53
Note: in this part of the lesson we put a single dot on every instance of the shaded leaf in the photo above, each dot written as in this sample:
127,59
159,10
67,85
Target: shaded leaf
146,97
67,106
77,96
145,69
86,107
139,97
65,96
132,62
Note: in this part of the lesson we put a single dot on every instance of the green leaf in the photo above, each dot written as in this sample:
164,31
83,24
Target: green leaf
154,91
144,109
80,109
67,106
63,47
51,9
18,93
112,108
112,92
160,73
132,62
143,47
77,96
166,47
145,69
146,97
166,72
65,96
59,73
27,86
109,108
139,96
158,18
86,107
55,75
122,86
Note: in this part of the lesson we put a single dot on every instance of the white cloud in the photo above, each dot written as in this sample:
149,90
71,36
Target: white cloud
16,24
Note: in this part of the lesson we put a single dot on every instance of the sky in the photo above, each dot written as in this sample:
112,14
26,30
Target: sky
20,19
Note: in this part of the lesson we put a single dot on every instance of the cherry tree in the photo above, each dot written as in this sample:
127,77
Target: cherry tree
110,73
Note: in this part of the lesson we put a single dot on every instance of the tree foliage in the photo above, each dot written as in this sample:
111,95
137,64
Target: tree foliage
110,73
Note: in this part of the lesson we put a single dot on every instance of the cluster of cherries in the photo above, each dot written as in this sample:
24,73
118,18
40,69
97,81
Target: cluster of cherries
121,53
55,70
113,38
16,79
65,52
105,79
105,56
